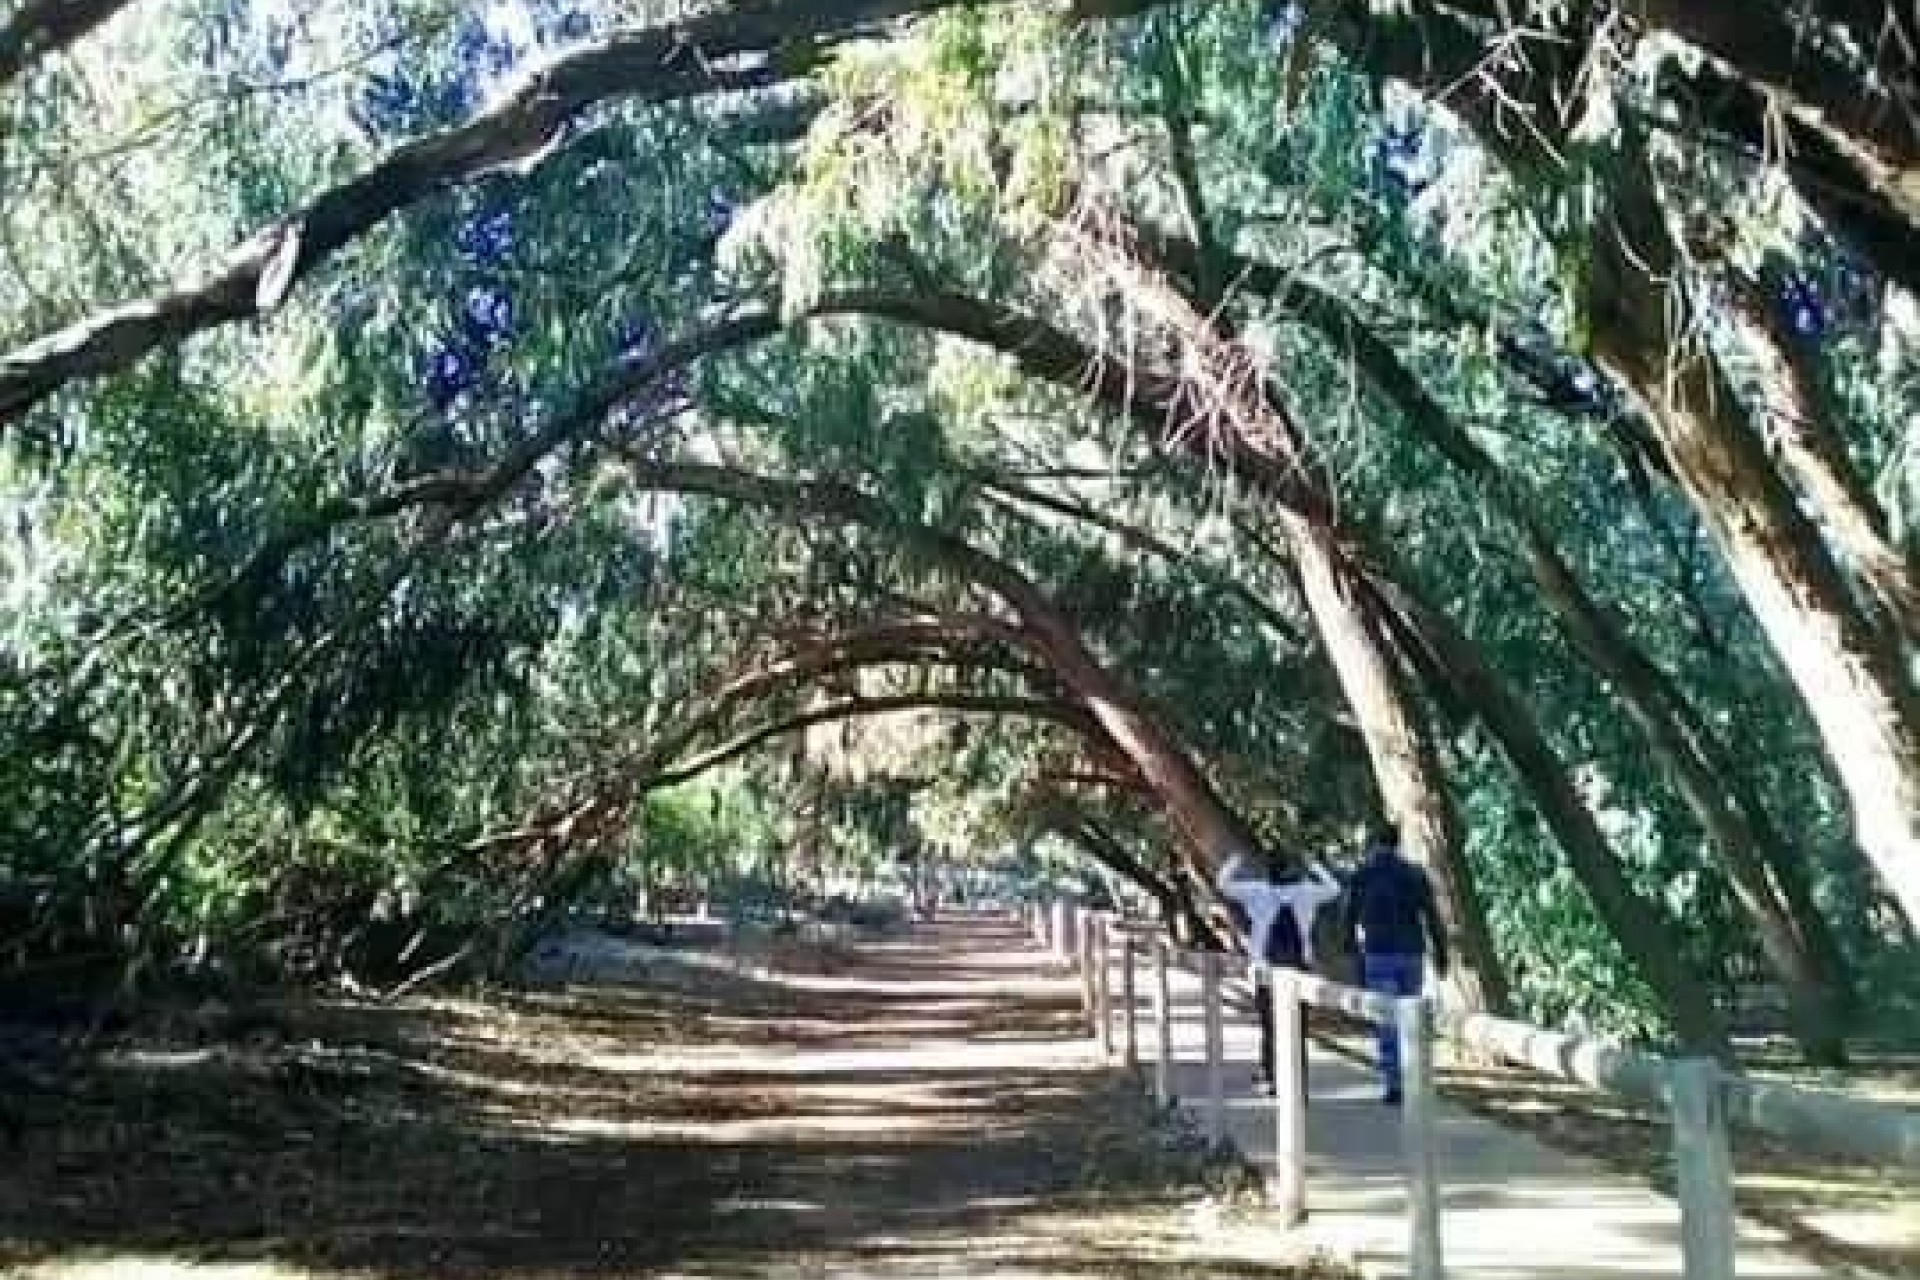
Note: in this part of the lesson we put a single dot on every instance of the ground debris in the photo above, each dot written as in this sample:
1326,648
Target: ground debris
922,1107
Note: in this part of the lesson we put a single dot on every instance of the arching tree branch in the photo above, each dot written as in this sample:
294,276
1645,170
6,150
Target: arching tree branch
38,28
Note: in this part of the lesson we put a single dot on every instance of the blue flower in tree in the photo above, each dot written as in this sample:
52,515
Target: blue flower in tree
1855,296
487,315
719,212
1399,161
1802,307
451,372
395,103
388,104
638,338
1283,23
480,53
487,237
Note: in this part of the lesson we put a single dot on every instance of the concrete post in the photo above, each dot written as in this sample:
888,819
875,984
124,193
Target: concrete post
1083,949
1289,1190
1103,981
1216,1119
1129,998
1703,1169
1162,1024
1418,1112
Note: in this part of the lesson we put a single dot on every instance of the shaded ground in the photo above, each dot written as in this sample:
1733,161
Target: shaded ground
1843,1215
919,1108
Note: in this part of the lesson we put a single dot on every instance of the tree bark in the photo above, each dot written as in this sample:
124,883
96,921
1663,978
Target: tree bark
664,62
1212,830
1635,922
1849,672
1406,766
1640,320
41,27
1804,437
1761,870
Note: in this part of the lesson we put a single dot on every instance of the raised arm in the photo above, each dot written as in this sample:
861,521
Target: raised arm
1237,879
1321,886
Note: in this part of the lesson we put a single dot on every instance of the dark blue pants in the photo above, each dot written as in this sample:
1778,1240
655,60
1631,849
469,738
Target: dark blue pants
1397,976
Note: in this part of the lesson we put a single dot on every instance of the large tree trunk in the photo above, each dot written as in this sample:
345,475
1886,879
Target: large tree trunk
1848,672
1266,450
1762,871
1637,924
39,28
1405,764
1802,434
1641,323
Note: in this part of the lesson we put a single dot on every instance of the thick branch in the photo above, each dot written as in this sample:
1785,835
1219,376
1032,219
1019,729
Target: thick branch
1213,830
41,27
1140,539
751,43
1047,709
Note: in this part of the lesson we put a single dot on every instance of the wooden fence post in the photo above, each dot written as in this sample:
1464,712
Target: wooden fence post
1703,1169
1083,948
1216,1048
1419,1102
1103,982
1289,1190
1129,997
1162,1024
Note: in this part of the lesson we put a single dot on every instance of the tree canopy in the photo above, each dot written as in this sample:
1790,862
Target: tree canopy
462,459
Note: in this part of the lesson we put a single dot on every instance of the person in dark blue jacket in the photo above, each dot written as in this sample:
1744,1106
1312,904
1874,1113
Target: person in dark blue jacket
1390,911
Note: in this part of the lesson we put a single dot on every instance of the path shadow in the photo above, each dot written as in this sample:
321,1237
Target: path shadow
582,1131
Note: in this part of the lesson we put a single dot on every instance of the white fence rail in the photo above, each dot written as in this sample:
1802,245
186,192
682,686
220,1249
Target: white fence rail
1700,1097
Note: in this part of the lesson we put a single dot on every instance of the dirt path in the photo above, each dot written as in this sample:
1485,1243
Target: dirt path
929,1109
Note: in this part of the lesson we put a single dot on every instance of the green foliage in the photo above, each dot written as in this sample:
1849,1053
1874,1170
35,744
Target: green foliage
253,729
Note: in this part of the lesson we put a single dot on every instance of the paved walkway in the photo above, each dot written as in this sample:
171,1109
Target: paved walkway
1512,1207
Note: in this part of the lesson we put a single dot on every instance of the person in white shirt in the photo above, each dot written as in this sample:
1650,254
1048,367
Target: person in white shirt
1277,915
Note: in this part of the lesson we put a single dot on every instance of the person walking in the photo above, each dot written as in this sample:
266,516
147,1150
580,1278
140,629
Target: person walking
1276,913
1390,913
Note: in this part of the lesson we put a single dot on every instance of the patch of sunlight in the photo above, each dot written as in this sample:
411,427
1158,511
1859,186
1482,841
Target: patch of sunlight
743,1205
722,1133
1022,983
147,1266
940,1056
161,1059
1004,1204
1852,1183
508,1087
1895,1227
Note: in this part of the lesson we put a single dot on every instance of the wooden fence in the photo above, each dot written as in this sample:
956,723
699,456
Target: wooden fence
1701,1098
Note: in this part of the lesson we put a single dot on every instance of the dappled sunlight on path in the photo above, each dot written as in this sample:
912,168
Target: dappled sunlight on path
930,1106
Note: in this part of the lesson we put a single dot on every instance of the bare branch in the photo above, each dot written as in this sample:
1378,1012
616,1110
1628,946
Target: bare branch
42,27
